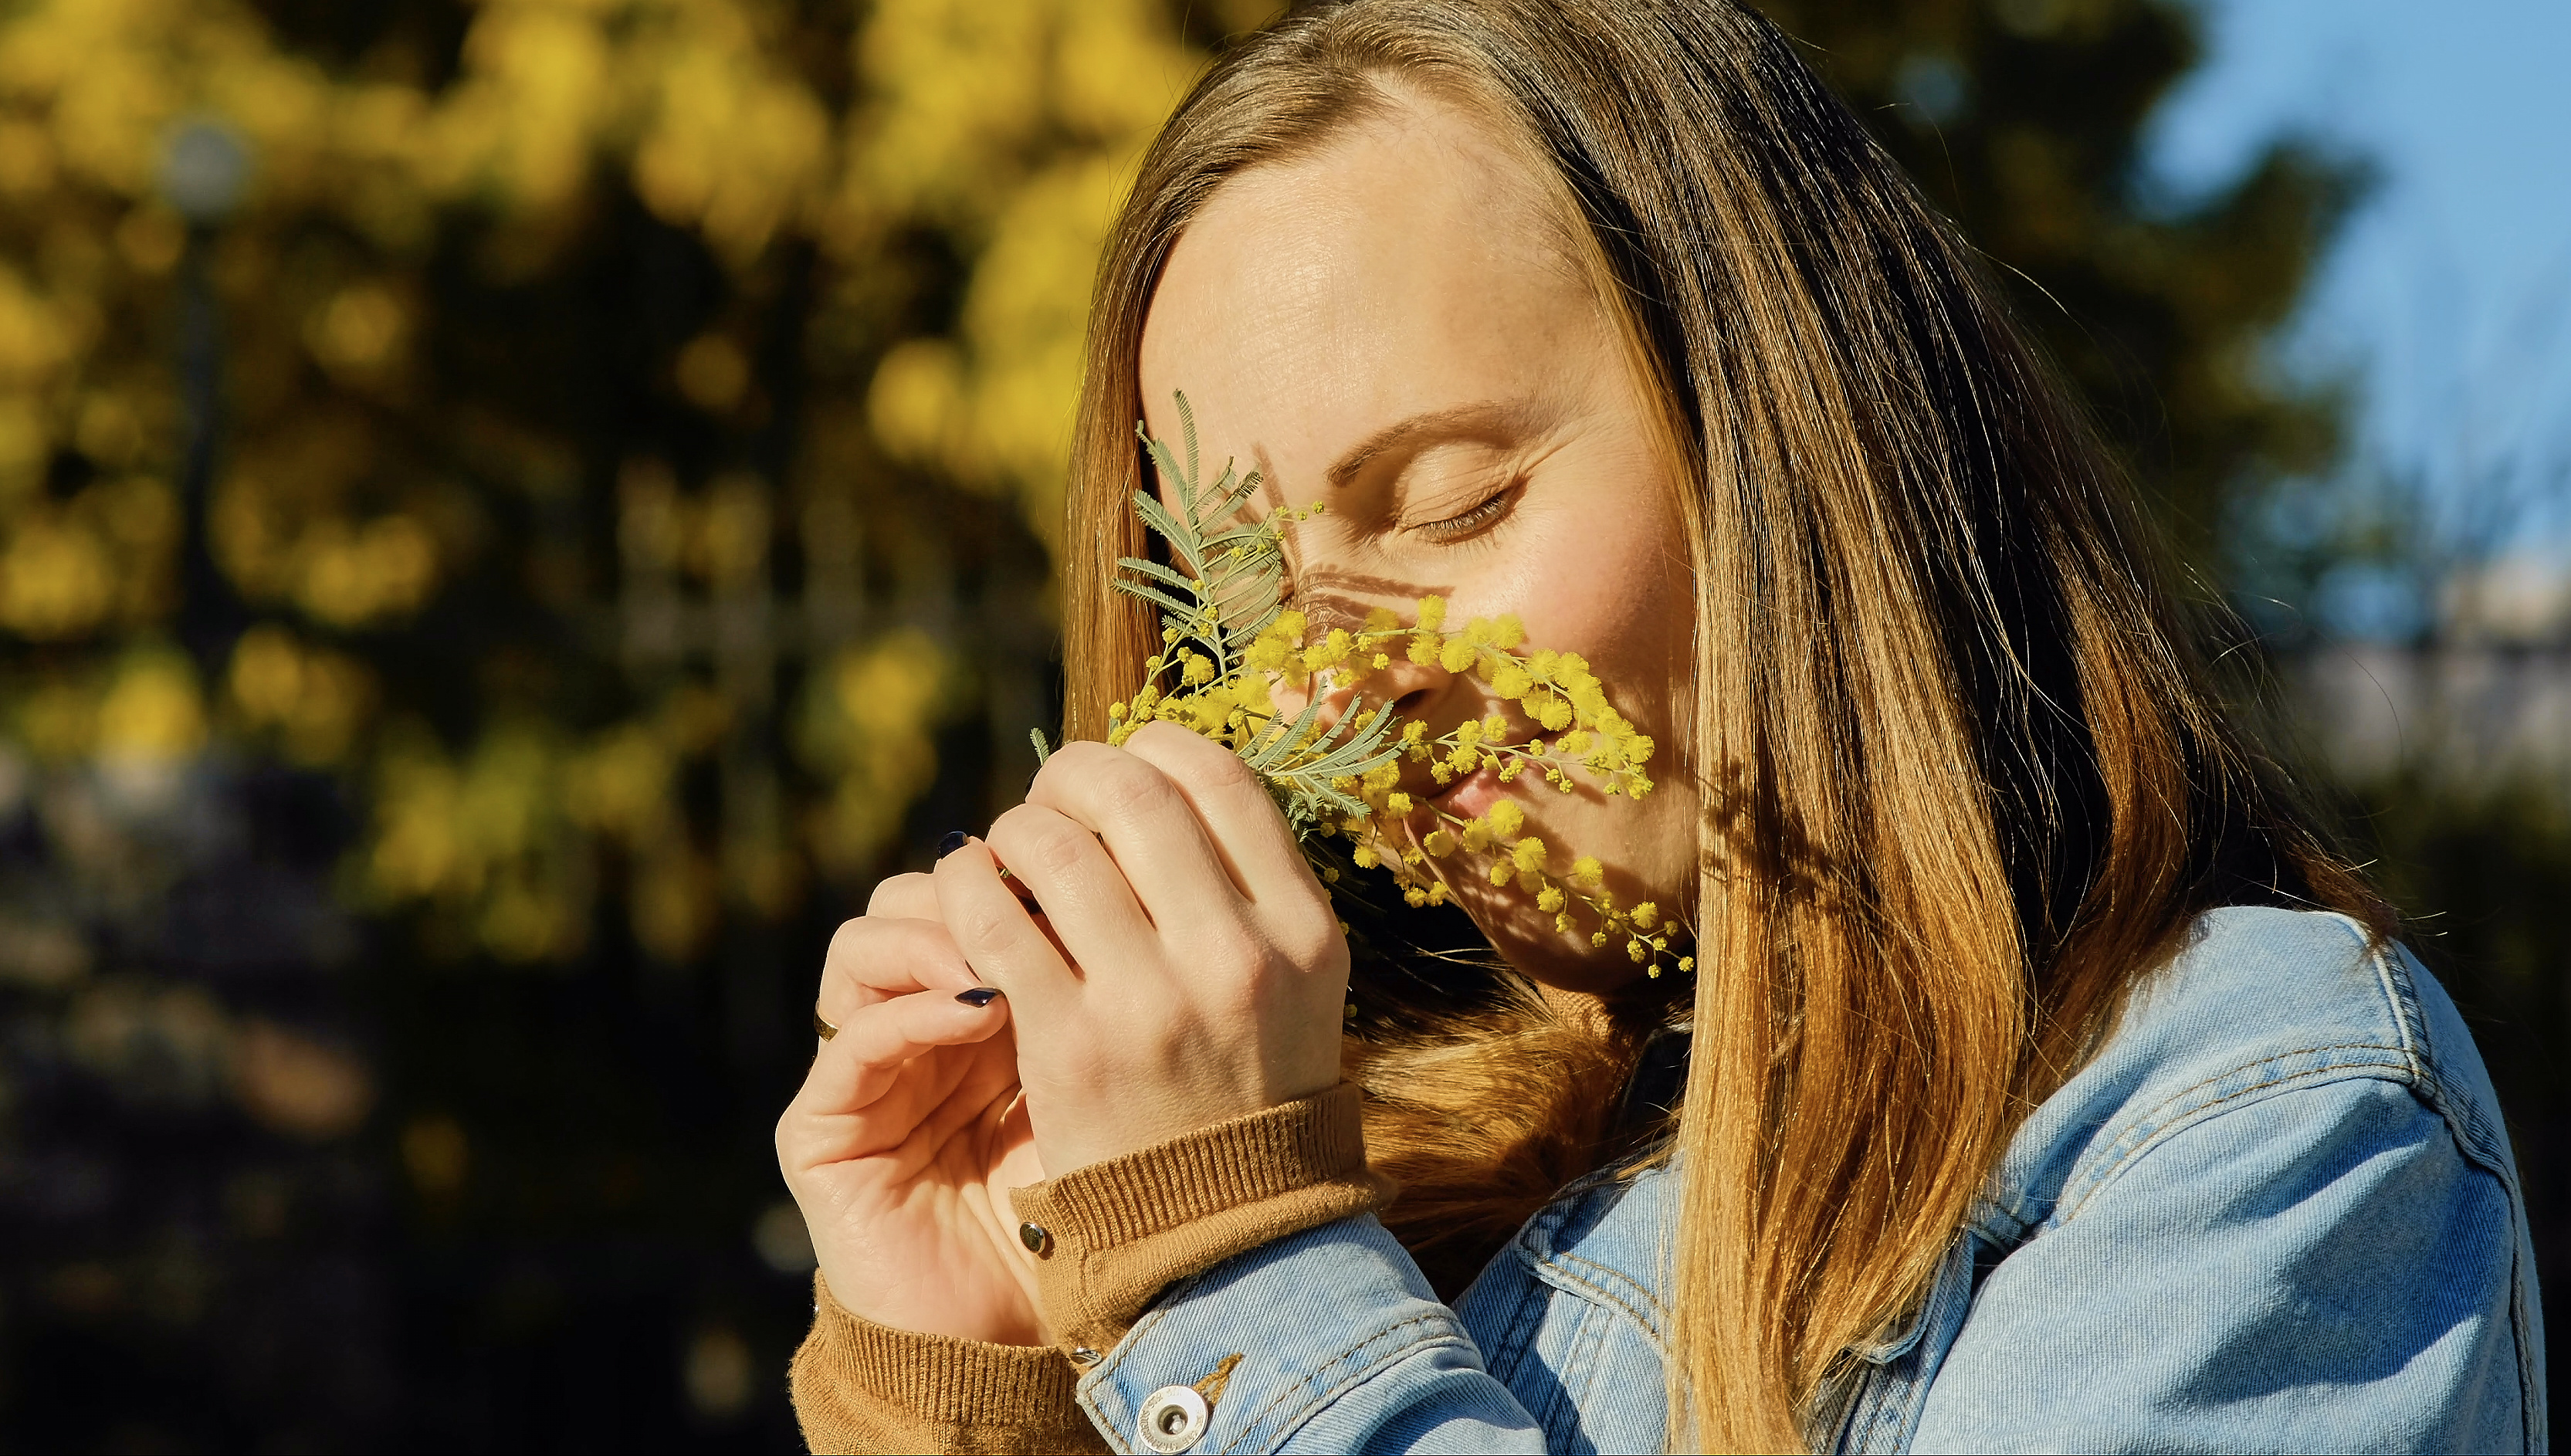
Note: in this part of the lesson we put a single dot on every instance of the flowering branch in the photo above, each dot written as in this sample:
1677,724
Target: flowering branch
1227,641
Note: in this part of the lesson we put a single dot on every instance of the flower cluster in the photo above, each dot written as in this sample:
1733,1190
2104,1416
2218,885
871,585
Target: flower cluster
1229,645
1553,691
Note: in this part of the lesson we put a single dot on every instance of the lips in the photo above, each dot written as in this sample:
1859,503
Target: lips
1472,795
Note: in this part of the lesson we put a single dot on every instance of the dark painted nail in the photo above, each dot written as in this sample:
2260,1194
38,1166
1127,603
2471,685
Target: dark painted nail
955,839
979,996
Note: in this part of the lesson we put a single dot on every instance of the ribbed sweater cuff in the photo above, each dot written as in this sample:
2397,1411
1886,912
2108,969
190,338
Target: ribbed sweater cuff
1122,1231
862,1386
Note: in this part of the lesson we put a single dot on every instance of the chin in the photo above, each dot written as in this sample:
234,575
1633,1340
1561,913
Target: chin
1525,938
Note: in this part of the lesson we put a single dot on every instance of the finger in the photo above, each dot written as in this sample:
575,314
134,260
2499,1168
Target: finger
903,897
856,1071
997,936
930,1099
1149,829
914,897
1256,848
871,960
1089,906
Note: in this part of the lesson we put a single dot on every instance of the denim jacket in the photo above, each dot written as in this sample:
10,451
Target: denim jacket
2275,1211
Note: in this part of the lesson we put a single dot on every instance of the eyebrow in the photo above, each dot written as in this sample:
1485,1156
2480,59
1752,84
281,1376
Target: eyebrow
1489,419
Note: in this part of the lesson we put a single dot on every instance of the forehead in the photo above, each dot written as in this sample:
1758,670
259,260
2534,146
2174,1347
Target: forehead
1411,263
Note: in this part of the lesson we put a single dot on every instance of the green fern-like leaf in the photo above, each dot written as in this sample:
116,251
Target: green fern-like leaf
1228,587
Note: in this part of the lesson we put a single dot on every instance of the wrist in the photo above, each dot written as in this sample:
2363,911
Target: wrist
1109,1236
1078,1125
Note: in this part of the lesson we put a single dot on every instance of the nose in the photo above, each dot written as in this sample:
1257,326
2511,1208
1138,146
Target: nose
1407,688
1428,693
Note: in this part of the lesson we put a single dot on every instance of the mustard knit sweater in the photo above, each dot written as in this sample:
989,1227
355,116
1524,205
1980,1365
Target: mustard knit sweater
1120,1232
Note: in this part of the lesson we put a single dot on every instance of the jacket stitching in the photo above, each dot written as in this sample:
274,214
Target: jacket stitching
2398,1001
1339,1391
2481,1147
2408,1035
2531,1419
1552,1272
2152,1125
2529,1401
1158,1312
1636,1293
1092,1390
1883,1411
1550,1264
1251,1427
2464,1125
2532,1416
2152,1130
1536,1236
2484,1145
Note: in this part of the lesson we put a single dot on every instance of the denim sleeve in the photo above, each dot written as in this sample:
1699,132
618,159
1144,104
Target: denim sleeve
2318,1270
1342,1347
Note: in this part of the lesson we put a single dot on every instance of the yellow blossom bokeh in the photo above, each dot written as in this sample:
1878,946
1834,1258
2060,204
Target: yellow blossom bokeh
365,499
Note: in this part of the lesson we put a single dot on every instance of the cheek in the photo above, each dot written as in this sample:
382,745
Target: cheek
1611,586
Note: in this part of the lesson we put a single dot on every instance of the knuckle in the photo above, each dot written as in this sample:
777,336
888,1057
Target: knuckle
1010,830
1315,944
892,889
1165,735
1079,753
981,929
1320,918
1133,788
1218,772
1060,850
1038,838
798,1141
1069,764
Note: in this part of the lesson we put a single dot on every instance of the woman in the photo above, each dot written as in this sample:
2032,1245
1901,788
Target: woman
2046,1081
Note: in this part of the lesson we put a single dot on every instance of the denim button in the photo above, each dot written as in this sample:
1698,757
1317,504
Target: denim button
1173,1417
1038,1242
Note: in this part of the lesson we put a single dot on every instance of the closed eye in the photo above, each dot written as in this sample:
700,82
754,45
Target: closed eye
1473,522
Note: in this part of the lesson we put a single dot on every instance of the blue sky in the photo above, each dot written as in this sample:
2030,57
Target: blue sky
2450,292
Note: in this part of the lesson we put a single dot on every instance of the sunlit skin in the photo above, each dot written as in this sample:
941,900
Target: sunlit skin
1387,329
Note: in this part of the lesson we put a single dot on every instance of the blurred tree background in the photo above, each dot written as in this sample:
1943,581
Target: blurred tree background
514,514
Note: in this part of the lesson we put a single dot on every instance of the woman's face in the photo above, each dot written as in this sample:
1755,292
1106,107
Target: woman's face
1389,327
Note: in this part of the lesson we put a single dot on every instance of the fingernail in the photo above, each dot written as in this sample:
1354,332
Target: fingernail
955,839
979,996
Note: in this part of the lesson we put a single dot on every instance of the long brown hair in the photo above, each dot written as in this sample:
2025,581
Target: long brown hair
1964,777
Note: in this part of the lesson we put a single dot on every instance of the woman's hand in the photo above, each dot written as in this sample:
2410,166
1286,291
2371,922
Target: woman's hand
908,1133
1188,968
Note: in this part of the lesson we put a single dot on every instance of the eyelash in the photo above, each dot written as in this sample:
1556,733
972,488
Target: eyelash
1472,522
